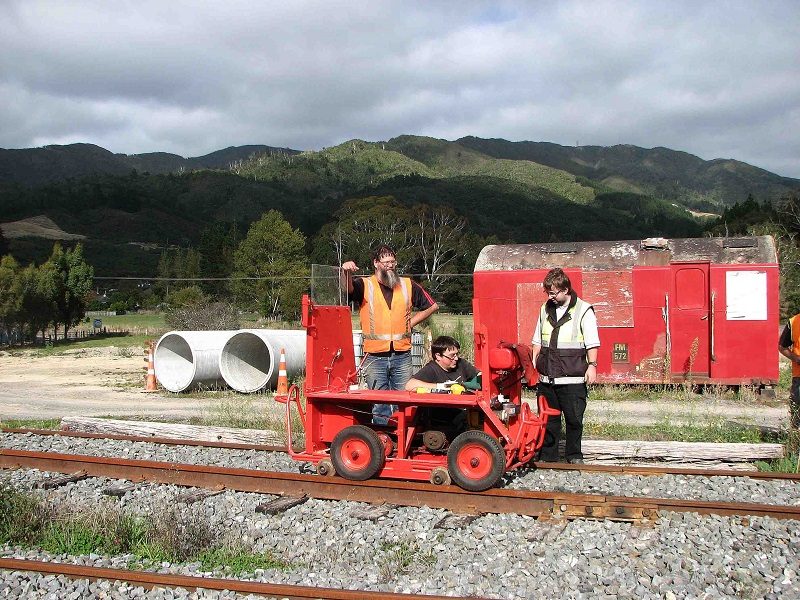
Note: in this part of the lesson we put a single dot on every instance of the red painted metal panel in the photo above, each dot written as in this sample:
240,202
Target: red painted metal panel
631,306
689,321
743,348
611,293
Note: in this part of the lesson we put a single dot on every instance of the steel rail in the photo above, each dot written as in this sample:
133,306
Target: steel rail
612,469
380,491
149,439
150,580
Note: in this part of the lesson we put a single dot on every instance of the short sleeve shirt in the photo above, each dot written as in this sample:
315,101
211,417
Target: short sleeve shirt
433,373
420,299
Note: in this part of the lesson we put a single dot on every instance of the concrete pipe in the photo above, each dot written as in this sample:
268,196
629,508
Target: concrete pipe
249,360
187,359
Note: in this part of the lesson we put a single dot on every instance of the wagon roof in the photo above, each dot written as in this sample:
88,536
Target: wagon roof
628,253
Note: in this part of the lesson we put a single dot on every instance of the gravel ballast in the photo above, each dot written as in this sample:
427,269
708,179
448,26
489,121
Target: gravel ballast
680,555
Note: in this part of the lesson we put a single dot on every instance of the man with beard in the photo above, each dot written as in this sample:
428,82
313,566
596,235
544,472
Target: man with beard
386,302
565,346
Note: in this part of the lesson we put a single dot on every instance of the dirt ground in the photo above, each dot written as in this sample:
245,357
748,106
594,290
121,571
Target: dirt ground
92,382
110,382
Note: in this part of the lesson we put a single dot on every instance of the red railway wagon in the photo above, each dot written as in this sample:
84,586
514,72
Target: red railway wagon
699,310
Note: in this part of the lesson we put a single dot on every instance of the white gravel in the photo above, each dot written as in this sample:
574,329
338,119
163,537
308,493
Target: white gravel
498,556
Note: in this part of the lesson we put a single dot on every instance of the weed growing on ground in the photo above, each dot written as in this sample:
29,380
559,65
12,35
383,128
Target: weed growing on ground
31,423
23,518
401,558
30,521
239,560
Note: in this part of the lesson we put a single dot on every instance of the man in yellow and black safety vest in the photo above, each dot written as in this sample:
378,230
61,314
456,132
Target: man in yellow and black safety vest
565,346
386,303
789,346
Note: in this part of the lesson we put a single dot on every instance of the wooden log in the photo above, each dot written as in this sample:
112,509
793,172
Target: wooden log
680,451
280,504
172,430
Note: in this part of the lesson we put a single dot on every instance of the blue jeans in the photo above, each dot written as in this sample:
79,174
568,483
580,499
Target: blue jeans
389,372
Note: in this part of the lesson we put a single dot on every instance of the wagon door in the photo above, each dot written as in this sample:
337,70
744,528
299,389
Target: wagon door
688,325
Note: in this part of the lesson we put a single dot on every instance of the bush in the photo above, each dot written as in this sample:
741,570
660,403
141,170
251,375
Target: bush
216,316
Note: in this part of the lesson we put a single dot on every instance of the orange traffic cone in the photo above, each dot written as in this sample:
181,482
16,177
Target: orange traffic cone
150,384
283,380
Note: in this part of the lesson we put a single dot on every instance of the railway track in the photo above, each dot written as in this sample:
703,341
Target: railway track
382,491
532,540
150,580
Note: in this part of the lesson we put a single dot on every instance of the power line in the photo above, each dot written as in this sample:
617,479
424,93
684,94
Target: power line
270,278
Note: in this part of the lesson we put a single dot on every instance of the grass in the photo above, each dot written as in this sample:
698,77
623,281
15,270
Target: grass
675,432
30,423
125,344
401,558
154,321
169,535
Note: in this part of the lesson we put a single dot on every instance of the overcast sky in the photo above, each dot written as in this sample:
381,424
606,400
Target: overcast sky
717,79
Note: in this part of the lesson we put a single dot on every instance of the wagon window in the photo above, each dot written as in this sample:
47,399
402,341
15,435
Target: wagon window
690,288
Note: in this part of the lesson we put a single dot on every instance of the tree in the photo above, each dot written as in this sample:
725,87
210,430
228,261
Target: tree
10,294
274,254
364,223
3,244
438,235
38,291
73,283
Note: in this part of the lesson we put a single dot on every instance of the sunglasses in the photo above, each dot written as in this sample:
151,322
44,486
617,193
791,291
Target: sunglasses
452,356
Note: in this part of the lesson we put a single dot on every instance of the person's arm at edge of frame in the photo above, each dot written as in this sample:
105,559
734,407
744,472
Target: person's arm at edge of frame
787,350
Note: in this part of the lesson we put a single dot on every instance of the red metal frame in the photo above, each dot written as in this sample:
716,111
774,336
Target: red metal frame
334,402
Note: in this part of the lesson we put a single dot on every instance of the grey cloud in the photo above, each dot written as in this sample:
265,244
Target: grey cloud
717,79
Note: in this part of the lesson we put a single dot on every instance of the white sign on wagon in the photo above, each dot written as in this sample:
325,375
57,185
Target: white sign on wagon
746,295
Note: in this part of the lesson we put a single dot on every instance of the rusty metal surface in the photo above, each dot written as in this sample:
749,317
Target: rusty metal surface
152,439
383,491
627,253
150,580
656,470
621,469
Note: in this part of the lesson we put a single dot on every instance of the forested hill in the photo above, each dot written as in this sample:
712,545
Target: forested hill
37,166
660,172
129,219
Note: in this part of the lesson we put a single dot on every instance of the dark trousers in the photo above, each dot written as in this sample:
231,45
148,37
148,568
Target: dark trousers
794,402
570,399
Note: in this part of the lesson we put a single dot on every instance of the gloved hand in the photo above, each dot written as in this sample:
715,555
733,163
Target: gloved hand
474,383
457,388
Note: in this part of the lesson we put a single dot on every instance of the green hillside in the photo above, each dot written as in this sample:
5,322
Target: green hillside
130,218
451,159
660,172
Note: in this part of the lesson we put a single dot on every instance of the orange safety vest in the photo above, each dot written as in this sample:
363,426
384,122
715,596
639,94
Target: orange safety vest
383,327
794,323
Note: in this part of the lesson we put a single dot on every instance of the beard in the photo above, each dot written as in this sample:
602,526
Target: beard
388,277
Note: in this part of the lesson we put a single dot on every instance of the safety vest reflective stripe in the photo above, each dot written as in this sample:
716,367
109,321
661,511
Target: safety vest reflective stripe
794,324
575,339
384,327
562,380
